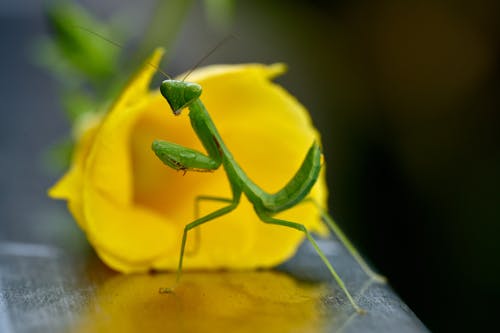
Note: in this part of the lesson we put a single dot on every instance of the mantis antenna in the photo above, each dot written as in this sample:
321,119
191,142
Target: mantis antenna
158,69
112,42
218,45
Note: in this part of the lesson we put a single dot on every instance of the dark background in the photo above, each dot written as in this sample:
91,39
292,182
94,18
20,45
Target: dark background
406,95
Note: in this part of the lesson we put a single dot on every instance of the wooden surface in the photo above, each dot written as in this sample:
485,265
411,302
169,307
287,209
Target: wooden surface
45,290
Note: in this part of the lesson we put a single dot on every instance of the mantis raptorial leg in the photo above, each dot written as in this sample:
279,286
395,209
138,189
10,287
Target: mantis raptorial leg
181,95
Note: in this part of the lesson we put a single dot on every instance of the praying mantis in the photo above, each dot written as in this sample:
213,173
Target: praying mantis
180,95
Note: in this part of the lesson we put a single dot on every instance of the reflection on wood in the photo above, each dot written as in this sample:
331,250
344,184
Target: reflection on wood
203,302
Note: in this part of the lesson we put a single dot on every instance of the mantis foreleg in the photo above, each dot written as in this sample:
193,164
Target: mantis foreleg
182,158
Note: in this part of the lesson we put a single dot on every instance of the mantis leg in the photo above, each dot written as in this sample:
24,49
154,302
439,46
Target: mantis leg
346,242
218,213
271,220
197,231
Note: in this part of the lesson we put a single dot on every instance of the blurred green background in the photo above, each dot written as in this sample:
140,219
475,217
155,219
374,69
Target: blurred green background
406,95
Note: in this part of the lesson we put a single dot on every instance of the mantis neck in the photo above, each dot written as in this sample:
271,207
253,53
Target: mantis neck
206,131
210,138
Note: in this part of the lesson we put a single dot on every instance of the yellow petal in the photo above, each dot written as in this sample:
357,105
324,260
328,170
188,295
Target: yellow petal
111,166
69,187
128,238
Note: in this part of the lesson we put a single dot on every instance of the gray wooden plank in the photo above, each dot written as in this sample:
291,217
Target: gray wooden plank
45,290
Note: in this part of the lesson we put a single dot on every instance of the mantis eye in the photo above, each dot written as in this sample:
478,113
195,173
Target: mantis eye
180,94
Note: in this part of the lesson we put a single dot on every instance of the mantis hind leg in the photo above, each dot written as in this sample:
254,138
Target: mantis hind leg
194,224
346,242
197,231
271,220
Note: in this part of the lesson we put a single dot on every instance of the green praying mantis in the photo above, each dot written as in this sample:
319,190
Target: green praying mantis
181,95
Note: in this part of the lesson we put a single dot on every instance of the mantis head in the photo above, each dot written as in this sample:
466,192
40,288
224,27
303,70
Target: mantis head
179,94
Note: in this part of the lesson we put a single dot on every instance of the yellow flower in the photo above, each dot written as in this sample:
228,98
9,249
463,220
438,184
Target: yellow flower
133,208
